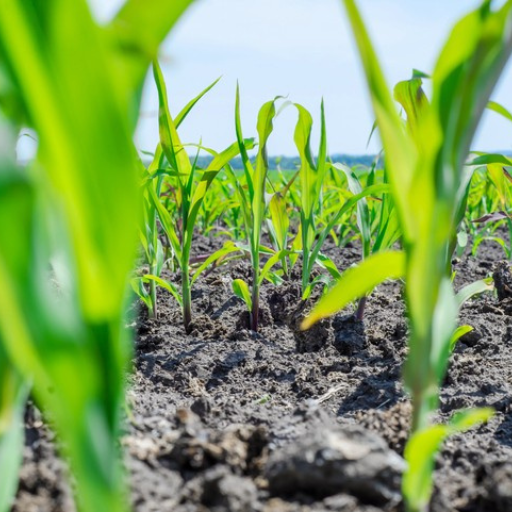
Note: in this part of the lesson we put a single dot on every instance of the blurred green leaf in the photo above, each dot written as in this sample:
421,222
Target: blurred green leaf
422,448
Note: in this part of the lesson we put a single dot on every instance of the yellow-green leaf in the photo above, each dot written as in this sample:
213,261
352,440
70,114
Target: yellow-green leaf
357,282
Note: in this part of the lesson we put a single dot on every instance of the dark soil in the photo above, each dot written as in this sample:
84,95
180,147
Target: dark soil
226,420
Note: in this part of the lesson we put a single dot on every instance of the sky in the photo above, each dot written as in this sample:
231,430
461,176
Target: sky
301,49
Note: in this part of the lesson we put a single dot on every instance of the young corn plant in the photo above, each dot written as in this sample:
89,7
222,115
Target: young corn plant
76,211
153,184
425,161
312,177
252,203
191,185
279,224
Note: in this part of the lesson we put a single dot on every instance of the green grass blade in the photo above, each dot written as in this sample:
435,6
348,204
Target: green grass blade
271,262
322,151
216,165
167,223
347,206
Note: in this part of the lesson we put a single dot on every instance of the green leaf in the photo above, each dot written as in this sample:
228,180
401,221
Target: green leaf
464,420
11,437
420,452
490,158
215,166
246,163
166,285
86,217
169,138
499,109
228,248
308,180
457,335
280,219
443,325
410,95
422,448
273,260
185,111
329,265
136,32
241,290
347,206
363,212
264,126
466,72
357,282
470,290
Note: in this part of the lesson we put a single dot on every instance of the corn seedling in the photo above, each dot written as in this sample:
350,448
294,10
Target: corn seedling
425,161
153,184
252,204
279,223
312,175
191,185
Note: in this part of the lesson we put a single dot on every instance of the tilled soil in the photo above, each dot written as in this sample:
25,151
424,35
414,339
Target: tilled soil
226,420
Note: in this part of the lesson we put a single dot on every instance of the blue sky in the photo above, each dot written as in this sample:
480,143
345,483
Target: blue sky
303,49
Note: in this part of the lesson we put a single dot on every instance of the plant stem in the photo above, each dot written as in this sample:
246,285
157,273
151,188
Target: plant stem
359,314
255,297
186,295
153,312
286,270
509,225
419,410
305,254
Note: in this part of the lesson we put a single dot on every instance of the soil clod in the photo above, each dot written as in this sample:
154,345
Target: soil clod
341,459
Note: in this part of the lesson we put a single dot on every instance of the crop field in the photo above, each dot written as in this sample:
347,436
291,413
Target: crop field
199,329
